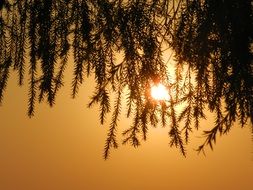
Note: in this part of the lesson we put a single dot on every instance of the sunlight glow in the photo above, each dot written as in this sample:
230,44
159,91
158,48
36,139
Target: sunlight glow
159,92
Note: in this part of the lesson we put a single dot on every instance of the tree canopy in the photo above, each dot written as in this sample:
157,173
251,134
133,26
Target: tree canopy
211,41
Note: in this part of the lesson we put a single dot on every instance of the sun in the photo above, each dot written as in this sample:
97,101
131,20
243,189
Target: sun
159,92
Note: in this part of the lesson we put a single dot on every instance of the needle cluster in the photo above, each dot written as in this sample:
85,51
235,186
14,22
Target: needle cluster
211,41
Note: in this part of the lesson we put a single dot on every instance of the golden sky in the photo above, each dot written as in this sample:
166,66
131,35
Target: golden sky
61,148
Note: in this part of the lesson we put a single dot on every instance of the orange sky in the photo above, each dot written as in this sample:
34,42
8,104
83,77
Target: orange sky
61,149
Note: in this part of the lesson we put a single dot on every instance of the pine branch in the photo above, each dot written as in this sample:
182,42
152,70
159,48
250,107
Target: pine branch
33,62
174,133
111,136
132,132
4,75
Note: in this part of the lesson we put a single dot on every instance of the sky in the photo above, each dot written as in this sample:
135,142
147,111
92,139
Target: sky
61,148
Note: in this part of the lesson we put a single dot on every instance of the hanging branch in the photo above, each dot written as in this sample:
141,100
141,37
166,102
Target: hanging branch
211,44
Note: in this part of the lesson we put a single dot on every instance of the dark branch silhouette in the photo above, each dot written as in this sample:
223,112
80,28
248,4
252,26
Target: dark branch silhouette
211,40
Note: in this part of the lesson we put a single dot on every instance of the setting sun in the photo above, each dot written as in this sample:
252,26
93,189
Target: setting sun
159,92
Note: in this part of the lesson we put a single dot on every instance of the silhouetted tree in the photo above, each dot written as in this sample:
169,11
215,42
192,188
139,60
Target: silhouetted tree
211,40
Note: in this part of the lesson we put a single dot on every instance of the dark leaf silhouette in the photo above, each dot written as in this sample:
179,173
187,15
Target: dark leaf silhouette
211,42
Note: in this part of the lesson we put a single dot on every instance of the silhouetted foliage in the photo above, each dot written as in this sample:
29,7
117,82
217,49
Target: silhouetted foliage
211,40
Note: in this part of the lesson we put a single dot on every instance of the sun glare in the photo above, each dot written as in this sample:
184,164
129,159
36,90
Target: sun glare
159,92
